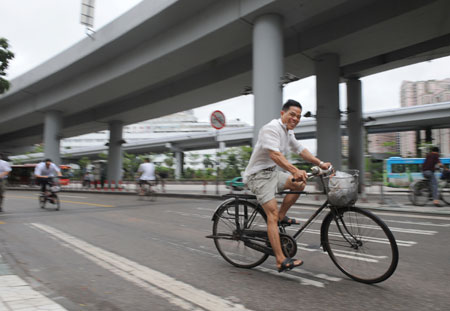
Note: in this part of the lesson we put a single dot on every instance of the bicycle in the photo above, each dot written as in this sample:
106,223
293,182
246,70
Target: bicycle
420,191
145,189
358,242
50,195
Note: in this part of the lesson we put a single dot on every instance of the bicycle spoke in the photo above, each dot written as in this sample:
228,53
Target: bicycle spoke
362,246
228,238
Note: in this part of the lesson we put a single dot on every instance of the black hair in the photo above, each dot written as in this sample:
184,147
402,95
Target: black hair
291,103
435,149
48,160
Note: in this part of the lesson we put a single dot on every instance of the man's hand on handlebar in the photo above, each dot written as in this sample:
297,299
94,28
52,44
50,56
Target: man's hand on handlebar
299,175
325,165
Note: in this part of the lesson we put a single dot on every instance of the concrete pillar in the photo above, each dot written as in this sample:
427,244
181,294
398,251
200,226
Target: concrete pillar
114,174
179,157
267,70
328,114
418,142
52,135
355,128
428,136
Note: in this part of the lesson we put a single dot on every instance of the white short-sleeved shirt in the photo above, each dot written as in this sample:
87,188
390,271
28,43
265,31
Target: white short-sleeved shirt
272,136
148,171
4,167
42,170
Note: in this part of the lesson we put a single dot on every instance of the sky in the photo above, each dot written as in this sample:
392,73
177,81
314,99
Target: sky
39,30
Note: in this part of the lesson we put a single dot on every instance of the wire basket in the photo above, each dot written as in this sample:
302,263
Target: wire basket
342,188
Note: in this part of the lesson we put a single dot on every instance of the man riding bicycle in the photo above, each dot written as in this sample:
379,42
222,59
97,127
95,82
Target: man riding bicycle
428,168
264,180
147,171
44,171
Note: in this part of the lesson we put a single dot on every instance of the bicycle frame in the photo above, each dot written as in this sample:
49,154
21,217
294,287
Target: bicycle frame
236,198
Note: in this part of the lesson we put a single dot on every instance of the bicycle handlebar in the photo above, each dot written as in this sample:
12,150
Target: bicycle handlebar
316,171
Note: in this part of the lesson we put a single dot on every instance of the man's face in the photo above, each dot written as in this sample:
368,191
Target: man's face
291,117
47,164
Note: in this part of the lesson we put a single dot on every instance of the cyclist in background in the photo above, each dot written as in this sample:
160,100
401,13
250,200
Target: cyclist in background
428,167
147,170
43,171
5,168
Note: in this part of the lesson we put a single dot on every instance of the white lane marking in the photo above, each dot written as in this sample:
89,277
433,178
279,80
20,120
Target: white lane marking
301,271
393,229
371,239
431,224
176,292
403,215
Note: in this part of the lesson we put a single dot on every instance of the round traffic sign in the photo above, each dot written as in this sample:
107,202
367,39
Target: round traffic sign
217,120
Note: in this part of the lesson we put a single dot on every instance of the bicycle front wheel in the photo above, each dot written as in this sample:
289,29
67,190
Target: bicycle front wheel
228,237
445,192
422,193
360,244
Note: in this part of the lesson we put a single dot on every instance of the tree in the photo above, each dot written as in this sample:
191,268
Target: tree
207,162
84,162
5,56
169,159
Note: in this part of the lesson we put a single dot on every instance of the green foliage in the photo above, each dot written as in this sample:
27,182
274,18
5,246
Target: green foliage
130,164
5,56
84,162
207,161
162,170
38,148
103,156
169,161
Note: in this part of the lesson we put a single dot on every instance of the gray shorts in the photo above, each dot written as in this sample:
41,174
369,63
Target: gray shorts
265,184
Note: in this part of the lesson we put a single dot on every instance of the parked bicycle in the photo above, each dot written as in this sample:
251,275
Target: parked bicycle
358,242
420,191
51,193
146,189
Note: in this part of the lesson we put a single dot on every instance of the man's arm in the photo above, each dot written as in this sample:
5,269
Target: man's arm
37,172
4,174
308,156
282,162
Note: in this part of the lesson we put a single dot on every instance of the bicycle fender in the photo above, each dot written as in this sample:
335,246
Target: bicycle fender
219,206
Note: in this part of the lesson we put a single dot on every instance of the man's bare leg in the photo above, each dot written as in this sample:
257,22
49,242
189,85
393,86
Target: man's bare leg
271,210
290,199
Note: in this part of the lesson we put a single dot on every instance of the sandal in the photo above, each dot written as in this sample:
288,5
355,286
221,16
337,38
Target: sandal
289,264
286,221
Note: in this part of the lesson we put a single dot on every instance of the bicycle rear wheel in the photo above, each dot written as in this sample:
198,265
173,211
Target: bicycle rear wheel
445,192
422,193
360,244
228,238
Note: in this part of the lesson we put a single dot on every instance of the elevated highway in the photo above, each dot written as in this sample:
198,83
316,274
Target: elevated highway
167,56
403,119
